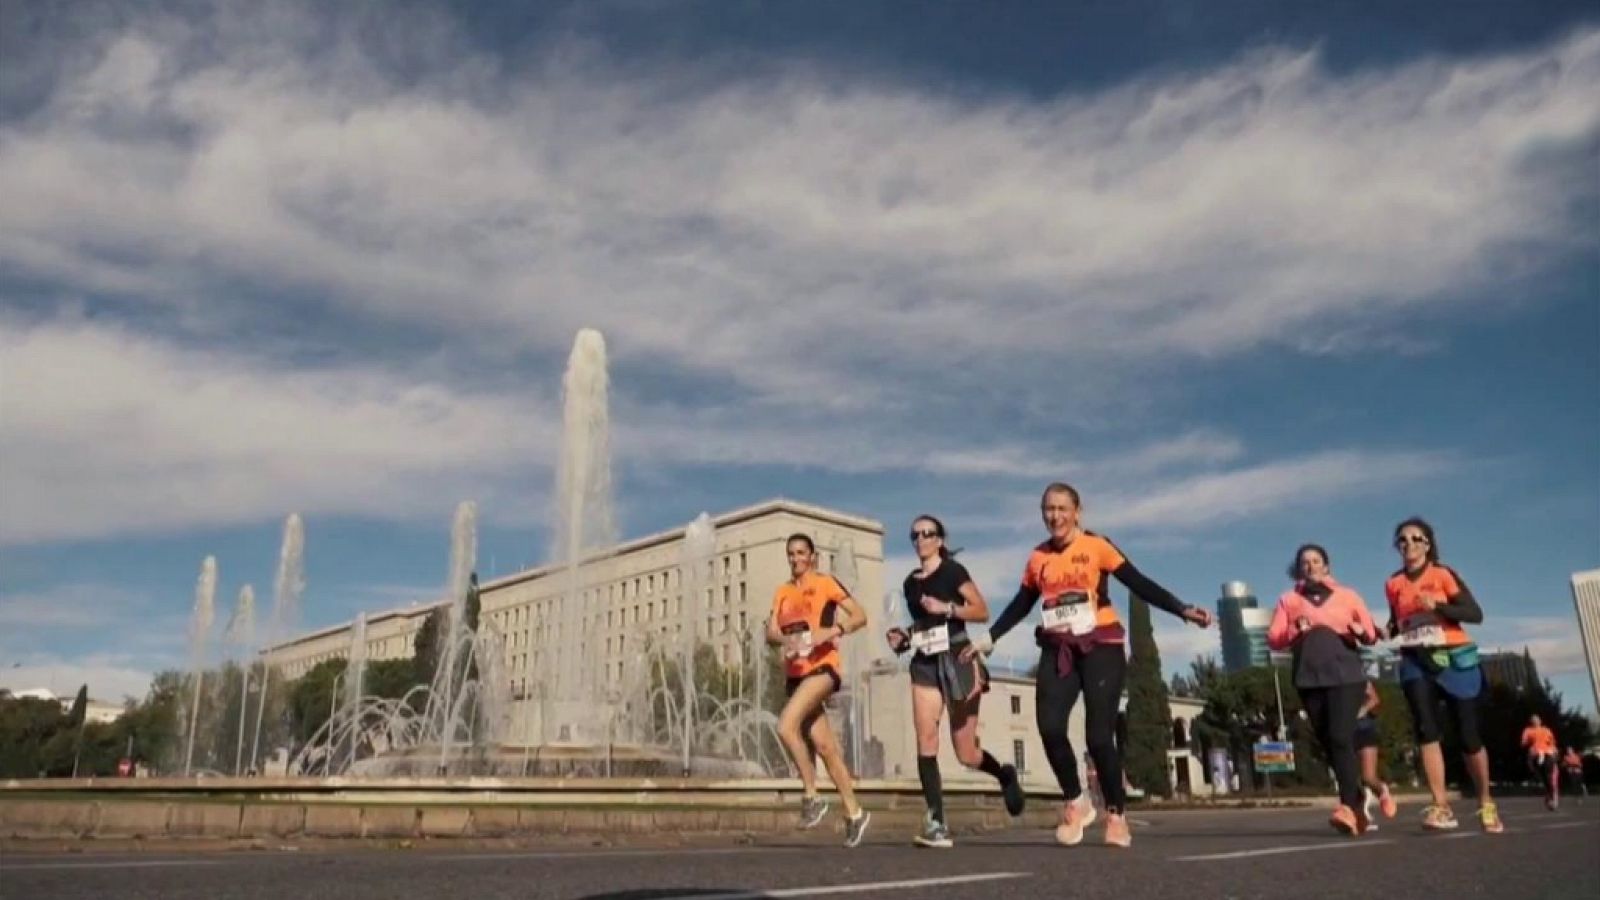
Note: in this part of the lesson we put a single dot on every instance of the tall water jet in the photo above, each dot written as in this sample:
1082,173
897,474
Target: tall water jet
241,633
583,519
200,621
287,586
445,699
354,675
699,549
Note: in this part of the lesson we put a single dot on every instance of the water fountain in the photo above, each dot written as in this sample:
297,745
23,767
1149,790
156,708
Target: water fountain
583,526
450,725
241,633
200,620
287,586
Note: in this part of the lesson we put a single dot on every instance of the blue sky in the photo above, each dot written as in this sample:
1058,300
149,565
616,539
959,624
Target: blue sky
1245,279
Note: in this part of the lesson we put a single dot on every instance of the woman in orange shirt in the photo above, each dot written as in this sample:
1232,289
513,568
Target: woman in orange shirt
1428,606
1082,653
810,612
1540,743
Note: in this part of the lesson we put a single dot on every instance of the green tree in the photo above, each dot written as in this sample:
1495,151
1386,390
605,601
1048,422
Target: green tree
311,698
27,724
428,646
1149,715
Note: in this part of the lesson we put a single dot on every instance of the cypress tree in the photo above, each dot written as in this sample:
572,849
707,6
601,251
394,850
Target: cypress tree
1149,716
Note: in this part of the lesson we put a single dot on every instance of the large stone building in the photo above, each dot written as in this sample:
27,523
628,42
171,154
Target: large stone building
390,635
632,598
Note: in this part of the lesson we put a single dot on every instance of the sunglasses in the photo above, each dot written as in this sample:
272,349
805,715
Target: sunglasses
1405,539
923,535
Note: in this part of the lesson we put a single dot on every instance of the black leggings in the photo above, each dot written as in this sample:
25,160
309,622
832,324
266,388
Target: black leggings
1333,712
1098,675
1423,696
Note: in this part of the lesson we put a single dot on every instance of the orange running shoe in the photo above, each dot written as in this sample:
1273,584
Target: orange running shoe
1117,833
1344,820
1076,815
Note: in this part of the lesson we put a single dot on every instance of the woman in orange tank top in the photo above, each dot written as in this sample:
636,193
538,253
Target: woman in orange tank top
810,612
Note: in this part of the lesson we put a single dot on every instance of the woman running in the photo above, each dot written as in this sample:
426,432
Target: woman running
1428,605
942,599
1323,621
1082,651
810,612
1540,744
1367,746
1572,764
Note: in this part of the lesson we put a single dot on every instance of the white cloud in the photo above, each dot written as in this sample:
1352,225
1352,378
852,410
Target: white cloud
779,229
109,678
1553,641
1254,490
108,432
840,253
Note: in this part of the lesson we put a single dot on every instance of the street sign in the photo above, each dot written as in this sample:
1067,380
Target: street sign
1274,756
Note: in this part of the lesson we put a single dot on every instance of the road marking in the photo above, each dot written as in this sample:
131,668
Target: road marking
1458,836
125,864
1563,825
1275,851
857,888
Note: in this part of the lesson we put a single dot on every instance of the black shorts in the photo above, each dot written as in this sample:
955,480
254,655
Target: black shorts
958,680
833,674
1366,733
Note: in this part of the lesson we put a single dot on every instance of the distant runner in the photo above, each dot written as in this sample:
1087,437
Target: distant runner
1540,744
1374,788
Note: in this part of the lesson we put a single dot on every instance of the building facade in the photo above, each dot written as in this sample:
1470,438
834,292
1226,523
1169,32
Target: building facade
1586,598
1242,624
390,635
632,599
1510,669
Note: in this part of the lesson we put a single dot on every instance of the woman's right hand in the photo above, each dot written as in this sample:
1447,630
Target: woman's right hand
898,639
983,645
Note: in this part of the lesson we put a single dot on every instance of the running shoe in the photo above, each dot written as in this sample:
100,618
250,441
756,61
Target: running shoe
1344,820
1364,815
812,809
934,834
855,828
1386,804
1076,815
1011,787
1439,818
1117,833
1489,817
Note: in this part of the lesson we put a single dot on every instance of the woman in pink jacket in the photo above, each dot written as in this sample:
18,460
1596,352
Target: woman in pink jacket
1323,622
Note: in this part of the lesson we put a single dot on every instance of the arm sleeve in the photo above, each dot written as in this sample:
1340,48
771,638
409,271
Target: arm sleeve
1015,611
1148,591
1463,607
1280,634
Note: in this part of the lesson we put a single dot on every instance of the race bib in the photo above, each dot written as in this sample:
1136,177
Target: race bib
1073,614
930,641
1423,629
798,643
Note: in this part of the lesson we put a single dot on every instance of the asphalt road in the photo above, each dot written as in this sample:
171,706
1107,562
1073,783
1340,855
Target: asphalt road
1236,854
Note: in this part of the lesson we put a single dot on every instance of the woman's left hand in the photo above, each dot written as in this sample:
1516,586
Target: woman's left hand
1197,615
